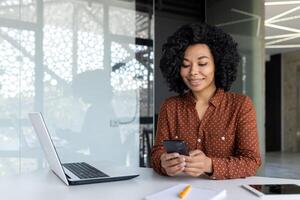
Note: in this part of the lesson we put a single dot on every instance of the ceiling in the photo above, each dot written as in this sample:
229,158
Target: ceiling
282,26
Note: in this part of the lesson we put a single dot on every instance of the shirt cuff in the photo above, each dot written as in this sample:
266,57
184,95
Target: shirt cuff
156,163
218,169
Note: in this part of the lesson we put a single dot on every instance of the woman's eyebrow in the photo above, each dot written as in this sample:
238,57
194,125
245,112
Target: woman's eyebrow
201,57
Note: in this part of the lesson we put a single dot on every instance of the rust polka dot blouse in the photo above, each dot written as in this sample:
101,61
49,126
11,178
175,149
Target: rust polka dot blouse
227,133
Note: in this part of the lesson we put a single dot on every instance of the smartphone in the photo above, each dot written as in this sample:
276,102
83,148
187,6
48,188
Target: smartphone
178,146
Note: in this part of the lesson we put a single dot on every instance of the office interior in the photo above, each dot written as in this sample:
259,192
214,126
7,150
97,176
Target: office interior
91,67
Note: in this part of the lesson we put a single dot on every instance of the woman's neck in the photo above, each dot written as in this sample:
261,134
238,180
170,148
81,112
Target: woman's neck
203,97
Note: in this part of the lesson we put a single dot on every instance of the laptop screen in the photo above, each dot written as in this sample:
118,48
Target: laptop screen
42,132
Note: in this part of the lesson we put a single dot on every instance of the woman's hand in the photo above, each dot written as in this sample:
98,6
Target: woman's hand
197,163
172,163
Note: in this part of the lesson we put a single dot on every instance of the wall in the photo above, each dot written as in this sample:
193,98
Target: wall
291,101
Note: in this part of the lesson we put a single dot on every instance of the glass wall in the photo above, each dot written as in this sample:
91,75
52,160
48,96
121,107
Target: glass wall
79,64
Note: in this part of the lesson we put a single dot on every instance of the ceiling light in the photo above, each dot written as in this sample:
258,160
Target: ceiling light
283,27
283,14
236,22
281,36
286,19
251,15
283,46
276,3
282,40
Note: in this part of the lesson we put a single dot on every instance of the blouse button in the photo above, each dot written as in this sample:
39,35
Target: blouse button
199,140
223,138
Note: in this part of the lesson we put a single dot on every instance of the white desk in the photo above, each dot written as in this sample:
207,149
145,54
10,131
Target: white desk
44,185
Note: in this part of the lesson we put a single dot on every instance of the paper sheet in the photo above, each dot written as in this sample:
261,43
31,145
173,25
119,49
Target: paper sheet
195,193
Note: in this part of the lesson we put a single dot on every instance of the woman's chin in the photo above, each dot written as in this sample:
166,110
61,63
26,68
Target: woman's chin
197,88
200,88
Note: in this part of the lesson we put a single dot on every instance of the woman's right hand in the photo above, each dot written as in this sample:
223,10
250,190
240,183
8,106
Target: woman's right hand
172,163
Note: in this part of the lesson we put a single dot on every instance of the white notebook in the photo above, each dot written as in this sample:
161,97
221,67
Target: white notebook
195,193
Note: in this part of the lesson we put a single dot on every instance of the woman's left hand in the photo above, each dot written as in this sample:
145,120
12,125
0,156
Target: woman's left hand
197,163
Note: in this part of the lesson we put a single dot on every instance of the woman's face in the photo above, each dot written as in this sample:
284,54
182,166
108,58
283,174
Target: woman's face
198,68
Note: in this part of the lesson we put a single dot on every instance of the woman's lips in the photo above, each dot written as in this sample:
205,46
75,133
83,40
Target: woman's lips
195,82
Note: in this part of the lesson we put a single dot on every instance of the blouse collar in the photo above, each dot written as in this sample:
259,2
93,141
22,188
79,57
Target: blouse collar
215,100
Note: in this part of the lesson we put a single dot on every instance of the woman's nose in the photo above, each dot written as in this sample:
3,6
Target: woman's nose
194,70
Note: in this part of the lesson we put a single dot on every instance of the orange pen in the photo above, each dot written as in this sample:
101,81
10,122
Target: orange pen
184,192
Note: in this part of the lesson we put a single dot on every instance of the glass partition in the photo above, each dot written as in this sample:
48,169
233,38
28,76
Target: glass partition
79,63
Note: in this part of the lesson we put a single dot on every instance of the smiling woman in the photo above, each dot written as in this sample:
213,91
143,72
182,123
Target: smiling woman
197,70
219,127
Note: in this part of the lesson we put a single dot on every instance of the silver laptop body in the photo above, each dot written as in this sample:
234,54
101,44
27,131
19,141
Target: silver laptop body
110,173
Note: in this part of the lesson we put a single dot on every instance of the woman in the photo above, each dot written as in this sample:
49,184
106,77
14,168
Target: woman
200,62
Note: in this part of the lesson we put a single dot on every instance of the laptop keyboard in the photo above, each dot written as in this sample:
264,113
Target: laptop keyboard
84,170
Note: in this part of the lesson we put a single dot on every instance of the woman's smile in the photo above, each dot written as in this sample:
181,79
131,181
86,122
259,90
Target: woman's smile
196,81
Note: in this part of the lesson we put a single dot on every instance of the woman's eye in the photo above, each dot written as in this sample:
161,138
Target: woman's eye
202,64
185,66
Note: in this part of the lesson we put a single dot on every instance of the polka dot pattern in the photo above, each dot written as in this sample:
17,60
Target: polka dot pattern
227,133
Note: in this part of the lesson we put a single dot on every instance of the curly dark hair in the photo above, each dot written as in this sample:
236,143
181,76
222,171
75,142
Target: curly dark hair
221,45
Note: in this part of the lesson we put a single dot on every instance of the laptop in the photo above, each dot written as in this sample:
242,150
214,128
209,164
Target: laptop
79,172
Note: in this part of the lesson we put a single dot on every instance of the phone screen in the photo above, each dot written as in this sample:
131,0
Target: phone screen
178,146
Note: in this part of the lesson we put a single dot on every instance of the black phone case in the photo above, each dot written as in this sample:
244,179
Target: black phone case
177,146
